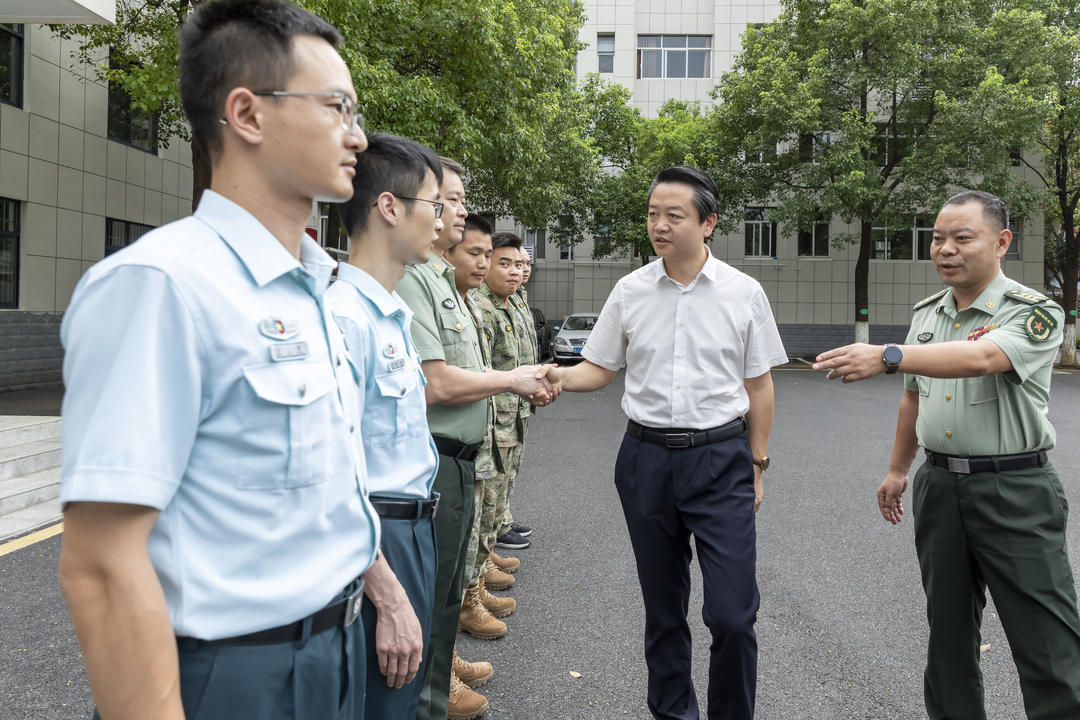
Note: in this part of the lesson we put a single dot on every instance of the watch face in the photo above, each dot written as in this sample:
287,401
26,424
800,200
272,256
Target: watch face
765,463
893,355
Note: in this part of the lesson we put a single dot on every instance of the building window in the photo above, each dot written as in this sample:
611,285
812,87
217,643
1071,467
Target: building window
812,146
9,253
121,233
674,56
11,63
127,124
536,242
605,53
886,149
815,241
760,233
910,242
1016,225
566,252
332,234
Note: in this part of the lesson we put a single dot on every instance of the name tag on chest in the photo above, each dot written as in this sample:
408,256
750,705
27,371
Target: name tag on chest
395,365
289,351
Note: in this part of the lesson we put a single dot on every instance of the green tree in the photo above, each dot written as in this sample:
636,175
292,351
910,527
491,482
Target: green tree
1044,38
872,111
487,82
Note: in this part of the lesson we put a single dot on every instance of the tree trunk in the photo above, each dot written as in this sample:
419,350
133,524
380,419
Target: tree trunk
200,175
862,284
1068,283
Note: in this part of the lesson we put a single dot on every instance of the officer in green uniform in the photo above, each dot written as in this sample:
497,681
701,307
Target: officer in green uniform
457,393
989,507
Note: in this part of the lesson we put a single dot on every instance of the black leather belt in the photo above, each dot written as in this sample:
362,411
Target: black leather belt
340,613
675,438
401,509
988,463
455,448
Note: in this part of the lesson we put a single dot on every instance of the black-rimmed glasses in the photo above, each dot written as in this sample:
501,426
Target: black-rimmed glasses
351,117
438,205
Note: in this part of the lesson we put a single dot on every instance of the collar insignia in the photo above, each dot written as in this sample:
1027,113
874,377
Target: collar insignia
990,304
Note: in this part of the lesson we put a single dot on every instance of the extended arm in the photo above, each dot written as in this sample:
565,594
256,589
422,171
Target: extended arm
759,425
583,377
399,641
119,610
906,444
451,385
956,359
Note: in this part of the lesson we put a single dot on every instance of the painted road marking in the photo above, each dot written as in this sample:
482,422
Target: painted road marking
34,537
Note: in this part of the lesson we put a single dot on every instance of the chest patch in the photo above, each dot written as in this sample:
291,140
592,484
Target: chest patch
391,350
395,365
448,304
978,333
1039,324
925,337
279,328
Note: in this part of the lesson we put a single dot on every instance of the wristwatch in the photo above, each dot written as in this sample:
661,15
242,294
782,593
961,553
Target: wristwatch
763,463
891,356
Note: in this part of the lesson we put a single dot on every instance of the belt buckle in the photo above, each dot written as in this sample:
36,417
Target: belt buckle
959,465
353,604
679,440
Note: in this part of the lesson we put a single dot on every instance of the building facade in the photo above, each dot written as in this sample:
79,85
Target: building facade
664,50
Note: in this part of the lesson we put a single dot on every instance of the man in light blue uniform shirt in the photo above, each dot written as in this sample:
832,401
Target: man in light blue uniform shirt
392,220
216,519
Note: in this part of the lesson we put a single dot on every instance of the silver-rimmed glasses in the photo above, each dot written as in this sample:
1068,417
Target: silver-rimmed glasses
351,117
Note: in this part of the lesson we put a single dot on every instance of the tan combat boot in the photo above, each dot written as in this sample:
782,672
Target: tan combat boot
473,674
500,607
465,704
475,618
507,565
495,578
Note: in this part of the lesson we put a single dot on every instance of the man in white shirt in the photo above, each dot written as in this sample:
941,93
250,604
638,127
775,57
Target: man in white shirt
698,341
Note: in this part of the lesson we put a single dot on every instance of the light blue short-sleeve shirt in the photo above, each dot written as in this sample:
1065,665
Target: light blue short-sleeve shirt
206,378
400,452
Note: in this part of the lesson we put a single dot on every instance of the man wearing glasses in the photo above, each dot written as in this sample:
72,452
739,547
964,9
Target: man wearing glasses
392,221
218,535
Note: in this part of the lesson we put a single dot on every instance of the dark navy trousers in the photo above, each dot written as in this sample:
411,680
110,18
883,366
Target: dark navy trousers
667,495
409,548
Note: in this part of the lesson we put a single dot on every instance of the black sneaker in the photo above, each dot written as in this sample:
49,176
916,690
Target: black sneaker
522,530
512,540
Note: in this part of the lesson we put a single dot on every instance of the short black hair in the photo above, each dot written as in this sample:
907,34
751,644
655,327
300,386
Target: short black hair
453,166
479,222
993,207
392,164
706,196
227,44
505,239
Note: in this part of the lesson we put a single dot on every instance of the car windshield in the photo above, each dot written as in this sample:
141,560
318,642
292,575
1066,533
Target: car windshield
580,322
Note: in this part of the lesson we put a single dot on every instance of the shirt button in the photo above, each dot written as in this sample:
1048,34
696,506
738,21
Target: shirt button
948,433
302,390
458,326
956,326
678,355
339,360
678,387
948,396
352,429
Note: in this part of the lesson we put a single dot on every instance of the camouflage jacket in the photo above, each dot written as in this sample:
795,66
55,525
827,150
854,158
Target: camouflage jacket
486,461
520,302
504,334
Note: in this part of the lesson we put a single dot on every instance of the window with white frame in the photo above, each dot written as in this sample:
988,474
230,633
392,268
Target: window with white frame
605,52
566,252
1016,225
903,242
812,146
12,40
128,124
332,234
9,253
815,241
674,56
536,242
760,231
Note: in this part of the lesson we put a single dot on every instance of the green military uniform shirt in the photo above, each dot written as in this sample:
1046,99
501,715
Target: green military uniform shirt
442,329
998,414
504,331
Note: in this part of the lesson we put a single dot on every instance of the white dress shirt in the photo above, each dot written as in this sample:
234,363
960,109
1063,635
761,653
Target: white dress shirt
686,348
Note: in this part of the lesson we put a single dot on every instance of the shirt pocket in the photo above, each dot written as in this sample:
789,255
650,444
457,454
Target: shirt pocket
400,410
453,337
924,385
982,389
289,434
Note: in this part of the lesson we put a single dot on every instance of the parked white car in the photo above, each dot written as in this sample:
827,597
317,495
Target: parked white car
572,335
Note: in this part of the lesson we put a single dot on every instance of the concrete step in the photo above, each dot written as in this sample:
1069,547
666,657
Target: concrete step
28,519
20,429
22,492
28,458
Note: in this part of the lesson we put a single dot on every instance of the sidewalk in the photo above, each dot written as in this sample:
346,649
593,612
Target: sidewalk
29,459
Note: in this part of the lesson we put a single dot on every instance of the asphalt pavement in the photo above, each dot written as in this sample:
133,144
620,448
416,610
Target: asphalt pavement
842,629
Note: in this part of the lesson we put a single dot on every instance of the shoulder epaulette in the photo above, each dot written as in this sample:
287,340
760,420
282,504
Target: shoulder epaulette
926,301
1023,296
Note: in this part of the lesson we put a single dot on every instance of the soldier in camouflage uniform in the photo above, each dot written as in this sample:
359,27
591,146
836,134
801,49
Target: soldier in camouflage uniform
510,533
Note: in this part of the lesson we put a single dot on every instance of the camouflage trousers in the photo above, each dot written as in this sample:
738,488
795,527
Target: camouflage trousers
491,498
507,517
